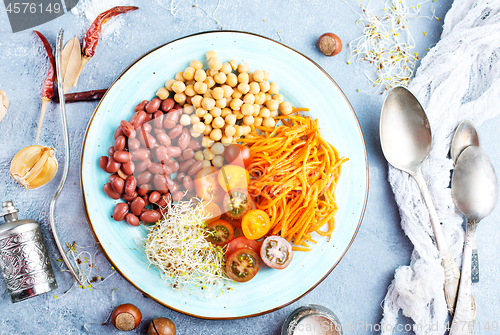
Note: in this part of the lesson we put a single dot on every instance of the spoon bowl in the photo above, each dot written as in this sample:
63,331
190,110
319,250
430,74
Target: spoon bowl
464,136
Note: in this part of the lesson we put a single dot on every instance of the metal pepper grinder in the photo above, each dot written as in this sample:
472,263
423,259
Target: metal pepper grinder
24,261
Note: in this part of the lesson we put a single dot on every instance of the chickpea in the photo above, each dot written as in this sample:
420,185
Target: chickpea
189,73
226,140
208,94
264,112
227,91
234,64
211,72
239,131
272,104
258,121
162,93
243,88
207,142
208,129
243,78
269,122
248,120
274,88
179,76
194,134
231,80
249,98
217,149
188,109
243,67
230,119
225,112
206,164
236,104
190,92
267,75
189,82
226,68
198,155
216,134
218,122
236,94
286,108
220,78
169,83
208,103
247,109
258,75
274,113
230,131
200,112
221,103
250,77
210,82
218,160
180,98
200,75
211,54
207,154
194,119
217,93
178,86
215,63
254,88
185,120
279,97
239,115
196,100
264,86
268,96
246,129
208,118
196,64
260,98
256,110
216,112
199,127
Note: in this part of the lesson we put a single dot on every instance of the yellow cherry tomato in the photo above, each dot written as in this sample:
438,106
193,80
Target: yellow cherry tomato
255,224
233,176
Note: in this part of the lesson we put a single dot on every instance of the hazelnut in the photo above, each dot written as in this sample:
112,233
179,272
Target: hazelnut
162,326
126,317
329,44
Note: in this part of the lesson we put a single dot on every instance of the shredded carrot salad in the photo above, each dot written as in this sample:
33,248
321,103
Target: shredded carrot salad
293,178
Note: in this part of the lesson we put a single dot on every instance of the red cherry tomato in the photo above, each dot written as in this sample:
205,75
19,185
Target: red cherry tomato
206,185
242,265
220,232
238,154
237,203
240,243
276,252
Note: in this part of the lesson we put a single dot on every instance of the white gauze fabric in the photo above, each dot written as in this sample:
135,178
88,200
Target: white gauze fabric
458,79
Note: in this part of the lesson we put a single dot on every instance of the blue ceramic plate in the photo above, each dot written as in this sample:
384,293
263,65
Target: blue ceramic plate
304,84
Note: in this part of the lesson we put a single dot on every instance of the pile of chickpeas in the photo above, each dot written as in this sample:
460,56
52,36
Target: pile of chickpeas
223,103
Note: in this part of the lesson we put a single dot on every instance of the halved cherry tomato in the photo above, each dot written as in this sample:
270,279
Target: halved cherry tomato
242,265
237,203
206,185
255,224
238,154
241,243
233,176
220,232
212,211
276,252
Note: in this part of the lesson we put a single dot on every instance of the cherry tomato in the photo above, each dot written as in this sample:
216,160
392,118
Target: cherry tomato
206,185
220,232
237,203
242,265
238,154
276,252
255,224
212,211
241,243
233,176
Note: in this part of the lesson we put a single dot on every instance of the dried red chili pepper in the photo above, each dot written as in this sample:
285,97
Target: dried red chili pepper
48,84
81,96
94,32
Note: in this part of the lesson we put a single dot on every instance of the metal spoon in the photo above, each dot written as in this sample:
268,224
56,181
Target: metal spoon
465,136
474,187
406,139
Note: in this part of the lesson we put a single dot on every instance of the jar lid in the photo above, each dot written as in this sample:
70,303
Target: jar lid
14,226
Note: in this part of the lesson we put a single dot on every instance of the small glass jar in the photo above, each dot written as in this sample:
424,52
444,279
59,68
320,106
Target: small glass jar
312,320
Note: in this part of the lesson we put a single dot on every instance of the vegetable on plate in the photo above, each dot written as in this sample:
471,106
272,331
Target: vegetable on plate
220,232
237,203
242,265
276,252
255,224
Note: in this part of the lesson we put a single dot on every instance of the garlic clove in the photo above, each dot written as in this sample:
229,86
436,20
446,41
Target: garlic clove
34,166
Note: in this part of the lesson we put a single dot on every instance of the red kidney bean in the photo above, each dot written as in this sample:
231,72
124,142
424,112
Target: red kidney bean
153,105
146,139
158,119
113,165
128,168
118,132
160,183
195,144
133,144
108,189
174,151
174,166
113,177
118,184
184,166
144,189
150,216
145,197
172,118
167,104
176,131
122,174
132,219
164,200
144,177
156,168
154,197
137,205
129,198
120,143
149,117
187,154
130,185
188,183
122,156
177,196
184,138
120,211
128,129
138,119
161,154
103,163
168,124
157,131
180,176
140,154
142,165
147,127
195,168
140,106
190,194
164,139
111,150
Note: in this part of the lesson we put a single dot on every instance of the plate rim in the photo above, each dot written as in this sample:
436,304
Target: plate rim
164,303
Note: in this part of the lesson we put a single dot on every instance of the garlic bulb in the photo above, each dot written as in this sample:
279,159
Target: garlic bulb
34,166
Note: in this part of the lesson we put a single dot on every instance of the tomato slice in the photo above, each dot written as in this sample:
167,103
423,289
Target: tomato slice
237,203
242,265
240,243
206,185
255,224
220,232
276,252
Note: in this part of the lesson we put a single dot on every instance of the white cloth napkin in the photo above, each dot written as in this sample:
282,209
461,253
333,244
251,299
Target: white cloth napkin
458,79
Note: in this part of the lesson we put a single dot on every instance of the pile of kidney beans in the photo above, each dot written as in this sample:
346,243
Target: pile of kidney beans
148,150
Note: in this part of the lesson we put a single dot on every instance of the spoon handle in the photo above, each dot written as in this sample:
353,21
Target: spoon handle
451,272
463,321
